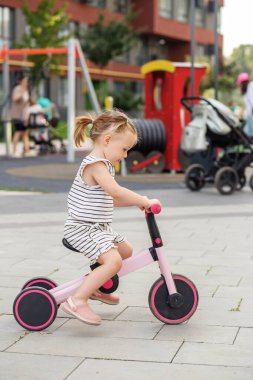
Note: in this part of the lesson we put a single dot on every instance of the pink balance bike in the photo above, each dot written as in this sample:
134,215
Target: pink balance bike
172,298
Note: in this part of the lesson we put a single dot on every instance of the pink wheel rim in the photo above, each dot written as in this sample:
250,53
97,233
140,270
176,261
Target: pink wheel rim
43,281
108,284
30,326
180,320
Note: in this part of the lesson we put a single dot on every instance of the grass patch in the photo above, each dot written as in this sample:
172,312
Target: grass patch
61,130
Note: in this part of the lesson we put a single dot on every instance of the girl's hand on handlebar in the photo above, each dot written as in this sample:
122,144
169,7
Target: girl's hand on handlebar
149,203
142,208
153,202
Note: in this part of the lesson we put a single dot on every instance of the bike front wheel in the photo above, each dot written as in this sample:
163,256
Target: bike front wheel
160,305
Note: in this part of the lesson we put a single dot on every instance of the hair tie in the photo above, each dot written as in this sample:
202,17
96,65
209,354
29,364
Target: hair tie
88,129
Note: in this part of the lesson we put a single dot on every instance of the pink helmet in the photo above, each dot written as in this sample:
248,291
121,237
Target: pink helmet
242,77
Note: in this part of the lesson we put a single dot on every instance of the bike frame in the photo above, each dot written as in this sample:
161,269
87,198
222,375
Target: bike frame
133,263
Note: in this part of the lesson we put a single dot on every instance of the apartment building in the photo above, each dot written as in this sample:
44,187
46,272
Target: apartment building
166,34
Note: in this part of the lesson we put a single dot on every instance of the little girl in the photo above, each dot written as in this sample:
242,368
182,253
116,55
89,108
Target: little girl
91,199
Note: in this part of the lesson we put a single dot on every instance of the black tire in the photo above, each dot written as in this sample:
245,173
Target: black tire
251,182
134,158
226,180
195,177
35,308
159,300
42,282
183,158
158,165
241,182
111,285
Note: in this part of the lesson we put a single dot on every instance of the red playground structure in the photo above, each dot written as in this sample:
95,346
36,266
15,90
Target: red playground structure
165,84
160,132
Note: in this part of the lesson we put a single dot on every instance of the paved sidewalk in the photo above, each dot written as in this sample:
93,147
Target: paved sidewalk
208,238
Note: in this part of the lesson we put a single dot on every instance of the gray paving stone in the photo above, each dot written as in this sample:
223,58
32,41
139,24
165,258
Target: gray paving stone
224,318
247,270
238,291
114,329
212,303
36,367
215,354
210,279
211,245
194,332
125,370
245,337
75,343
214,260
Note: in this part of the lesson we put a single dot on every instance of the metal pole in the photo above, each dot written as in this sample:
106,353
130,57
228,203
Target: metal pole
216,49
71,100
84,68
192,16
5,116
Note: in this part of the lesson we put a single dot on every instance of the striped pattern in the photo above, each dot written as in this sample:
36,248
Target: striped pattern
90,203
90,211
91,239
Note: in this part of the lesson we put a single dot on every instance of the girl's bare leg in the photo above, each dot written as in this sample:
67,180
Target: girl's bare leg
111,263
125,249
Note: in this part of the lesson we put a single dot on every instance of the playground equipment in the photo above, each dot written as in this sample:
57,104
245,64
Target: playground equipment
160,132
73,51
172,298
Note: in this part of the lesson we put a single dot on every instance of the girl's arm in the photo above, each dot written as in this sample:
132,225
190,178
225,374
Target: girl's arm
121,196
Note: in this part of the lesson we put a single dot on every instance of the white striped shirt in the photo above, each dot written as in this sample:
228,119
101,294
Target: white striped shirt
88,203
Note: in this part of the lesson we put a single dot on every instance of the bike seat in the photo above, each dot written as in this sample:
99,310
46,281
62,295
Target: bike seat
67,245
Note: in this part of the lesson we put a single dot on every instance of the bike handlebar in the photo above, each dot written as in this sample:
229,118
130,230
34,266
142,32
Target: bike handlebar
156,209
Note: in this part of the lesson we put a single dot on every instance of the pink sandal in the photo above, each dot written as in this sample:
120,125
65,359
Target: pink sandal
110,299
82,312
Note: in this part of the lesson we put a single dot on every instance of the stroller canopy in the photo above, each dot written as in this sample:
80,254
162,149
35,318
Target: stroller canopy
214,120
218,122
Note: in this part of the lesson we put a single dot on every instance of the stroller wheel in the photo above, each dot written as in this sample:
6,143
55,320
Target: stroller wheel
226,180
251,182
241,182
195,177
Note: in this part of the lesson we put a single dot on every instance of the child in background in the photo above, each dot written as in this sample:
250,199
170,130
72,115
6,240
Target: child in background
91,199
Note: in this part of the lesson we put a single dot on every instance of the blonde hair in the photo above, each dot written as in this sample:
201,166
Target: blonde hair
110,121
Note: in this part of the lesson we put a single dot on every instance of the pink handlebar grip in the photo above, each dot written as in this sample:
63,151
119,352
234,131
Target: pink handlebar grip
155,209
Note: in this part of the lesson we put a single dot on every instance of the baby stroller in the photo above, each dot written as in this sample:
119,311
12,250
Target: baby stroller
43,134
214,125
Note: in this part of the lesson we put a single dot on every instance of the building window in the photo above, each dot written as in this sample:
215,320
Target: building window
6,26
199,13
121,6
165,8
201,49
183,10
95,3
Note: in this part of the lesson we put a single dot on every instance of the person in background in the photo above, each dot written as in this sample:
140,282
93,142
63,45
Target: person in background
18,109
246,86
45,103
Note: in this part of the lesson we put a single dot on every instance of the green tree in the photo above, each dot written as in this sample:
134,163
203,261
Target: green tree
126,99
103,42
47,27
240,60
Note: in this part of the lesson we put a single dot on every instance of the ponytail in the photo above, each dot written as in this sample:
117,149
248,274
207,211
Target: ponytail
81,124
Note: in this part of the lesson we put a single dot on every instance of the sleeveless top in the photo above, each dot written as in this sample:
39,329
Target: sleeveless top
88,203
